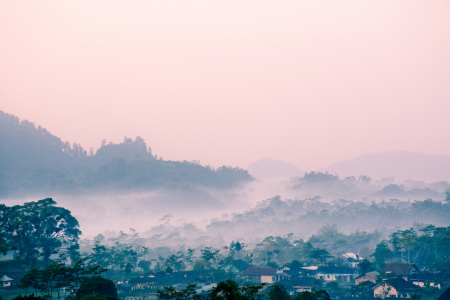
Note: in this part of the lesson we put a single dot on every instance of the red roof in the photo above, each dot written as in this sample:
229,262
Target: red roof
260,271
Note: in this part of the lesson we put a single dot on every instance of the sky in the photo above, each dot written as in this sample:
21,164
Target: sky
230,82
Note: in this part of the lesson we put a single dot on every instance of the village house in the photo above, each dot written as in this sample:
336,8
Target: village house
394,288
161,279
261,275
309,271
425,279
369,276
6,282
299,284
350,259
123,287
142,297
291,274
339,274
400,269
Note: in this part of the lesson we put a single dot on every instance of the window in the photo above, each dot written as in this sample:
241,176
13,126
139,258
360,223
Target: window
328,276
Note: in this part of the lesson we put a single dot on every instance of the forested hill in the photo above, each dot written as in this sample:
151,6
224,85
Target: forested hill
33,160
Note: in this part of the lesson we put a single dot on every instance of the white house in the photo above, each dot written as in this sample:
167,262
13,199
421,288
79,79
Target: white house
5,281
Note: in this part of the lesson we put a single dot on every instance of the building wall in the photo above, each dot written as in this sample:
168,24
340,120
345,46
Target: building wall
364,278
335,277
384,291
267,279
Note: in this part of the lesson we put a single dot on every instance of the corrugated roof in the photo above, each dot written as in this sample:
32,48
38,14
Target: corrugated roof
260,271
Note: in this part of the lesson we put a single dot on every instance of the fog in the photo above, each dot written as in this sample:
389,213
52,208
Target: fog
196,216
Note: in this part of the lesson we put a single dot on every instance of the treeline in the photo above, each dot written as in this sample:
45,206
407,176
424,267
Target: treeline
40,233
306,216
429,249
75,282
33,160
351,188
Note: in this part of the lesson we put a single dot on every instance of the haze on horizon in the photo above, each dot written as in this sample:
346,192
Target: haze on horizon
229,83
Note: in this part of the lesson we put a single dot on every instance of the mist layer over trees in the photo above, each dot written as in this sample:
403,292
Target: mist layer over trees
34,161
41,234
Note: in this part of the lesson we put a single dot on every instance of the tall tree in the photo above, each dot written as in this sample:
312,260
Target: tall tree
39,229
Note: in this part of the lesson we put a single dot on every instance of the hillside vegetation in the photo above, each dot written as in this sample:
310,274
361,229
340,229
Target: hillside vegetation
33,160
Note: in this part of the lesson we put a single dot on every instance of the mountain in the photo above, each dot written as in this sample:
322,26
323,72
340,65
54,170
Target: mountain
401,165
268,168
32,160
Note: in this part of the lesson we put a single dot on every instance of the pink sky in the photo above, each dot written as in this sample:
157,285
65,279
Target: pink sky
230,82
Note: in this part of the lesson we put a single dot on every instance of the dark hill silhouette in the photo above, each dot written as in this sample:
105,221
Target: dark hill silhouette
33,160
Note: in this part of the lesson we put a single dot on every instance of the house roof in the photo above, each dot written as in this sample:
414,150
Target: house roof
240,264
6,278
372,274
401,269
312,268
445,295
425,276
260,271
399,284
352,257
293,273
335,270
366,284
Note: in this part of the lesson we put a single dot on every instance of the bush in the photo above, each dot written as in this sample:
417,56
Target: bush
97,284
28,297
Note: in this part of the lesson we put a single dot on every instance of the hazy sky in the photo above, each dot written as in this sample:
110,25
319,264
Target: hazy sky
230,82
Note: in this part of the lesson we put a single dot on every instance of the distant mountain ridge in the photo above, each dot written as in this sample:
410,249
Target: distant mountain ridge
32,160
401,165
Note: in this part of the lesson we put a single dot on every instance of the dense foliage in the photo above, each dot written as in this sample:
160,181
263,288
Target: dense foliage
59,277
38,230
46,240
97,284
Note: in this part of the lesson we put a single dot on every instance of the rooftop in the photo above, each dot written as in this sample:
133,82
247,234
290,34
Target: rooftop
336,270
5,278
260,271
401,269
400,284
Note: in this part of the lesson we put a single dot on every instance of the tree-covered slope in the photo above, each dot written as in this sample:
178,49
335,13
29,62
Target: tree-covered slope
33,160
